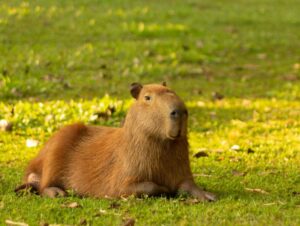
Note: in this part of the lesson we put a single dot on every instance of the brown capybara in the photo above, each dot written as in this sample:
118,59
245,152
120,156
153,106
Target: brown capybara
148,155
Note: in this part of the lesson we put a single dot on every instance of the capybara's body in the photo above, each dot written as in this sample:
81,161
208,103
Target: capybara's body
147,155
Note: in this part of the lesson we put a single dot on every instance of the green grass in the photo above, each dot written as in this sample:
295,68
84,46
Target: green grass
59,59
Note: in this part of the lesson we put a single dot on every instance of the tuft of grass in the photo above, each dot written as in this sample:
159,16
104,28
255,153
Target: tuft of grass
236,64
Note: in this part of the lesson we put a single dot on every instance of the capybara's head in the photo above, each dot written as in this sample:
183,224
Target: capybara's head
157,112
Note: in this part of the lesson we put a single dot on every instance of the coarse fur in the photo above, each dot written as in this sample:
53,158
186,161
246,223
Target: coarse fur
147,155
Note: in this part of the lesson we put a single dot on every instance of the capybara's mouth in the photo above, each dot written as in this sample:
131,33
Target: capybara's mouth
172,137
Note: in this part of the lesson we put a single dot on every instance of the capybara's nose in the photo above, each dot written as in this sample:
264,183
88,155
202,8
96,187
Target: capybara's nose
178,113
175,114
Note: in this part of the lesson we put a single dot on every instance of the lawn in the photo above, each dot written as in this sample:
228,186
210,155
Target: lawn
235,63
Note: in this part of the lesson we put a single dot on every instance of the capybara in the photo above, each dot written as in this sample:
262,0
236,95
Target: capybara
148,155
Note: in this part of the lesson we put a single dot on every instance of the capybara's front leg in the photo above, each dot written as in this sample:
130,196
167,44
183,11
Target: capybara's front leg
145,188
53,192
190,187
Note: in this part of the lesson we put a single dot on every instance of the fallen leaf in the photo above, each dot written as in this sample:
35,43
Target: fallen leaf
83,222
100,213
196,71
250,151
281,203
71,205
31,143
217,96
221,158
9,127
149,53
16,92
262,56
136,61
268,172
199,44
200,104
237,173
218,151
235,147
5,125
257,190
213,115
231,29
74,205
124,199
270,204
274,203
296,66
200,154
246,102
128,222
245,67
208,73
114,205
234,159
250,66
52,78
160,58
291,77
67,85
10,222
191,201
108,197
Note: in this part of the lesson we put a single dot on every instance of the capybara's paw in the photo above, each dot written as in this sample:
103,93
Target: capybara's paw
53,192
206,196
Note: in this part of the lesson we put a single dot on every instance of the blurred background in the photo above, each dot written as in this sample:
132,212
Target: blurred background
203,49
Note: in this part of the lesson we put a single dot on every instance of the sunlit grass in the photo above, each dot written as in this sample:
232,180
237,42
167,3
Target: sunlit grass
268,128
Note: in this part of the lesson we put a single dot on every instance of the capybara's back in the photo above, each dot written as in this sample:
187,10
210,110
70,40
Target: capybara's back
147,155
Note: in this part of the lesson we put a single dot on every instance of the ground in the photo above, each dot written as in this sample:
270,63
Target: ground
235,63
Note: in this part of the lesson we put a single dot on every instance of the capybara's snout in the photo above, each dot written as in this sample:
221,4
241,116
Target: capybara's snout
177,121
177,114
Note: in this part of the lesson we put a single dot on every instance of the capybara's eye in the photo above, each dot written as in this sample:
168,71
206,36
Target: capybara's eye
147,98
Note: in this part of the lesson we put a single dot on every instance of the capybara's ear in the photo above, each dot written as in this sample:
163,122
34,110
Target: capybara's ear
164,83
135,89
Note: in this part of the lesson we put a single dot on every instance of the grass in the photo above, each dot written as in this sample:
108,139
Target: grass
63,62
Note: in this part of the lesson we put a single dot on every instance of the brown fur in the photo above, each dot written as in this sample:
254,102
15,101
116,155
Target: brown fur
147,155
